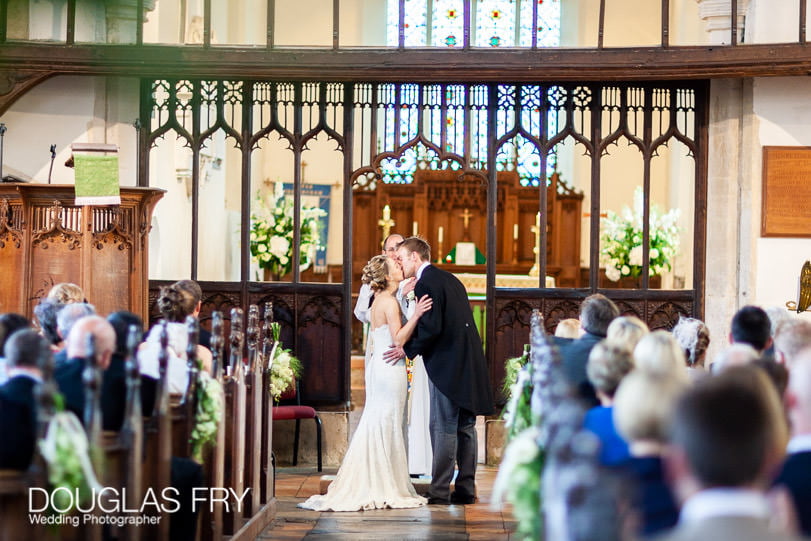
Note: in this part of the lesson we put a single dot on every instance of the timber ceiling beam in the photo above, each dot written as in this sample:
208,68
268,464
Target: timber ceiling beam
419,65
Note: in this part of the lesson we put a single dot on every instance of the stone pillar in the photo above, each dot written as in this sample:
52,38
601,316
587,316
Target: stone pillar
733,194
716,17
122,18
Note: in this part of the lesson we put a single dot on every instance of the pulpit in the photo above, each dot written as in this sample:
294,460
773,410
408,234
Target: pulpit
46,239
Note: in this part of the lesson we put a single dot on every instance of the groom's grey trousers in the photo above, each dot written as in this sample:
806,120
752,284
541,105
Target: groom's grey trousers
453,440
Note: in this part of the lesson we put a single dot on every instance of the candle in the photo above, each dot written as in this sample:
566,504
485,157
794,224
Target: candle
414,228
386,212
515,231
538,219
440,234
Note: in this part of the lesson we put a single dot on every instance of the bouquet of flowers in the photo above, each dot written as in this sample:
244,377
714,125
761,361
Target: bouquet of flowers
210,399
66,449
284,367
621,240
519,482
272,234
518,390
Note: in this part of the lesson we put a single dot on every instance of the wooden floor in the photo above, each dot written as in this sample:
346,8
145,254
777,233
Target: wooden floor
451,522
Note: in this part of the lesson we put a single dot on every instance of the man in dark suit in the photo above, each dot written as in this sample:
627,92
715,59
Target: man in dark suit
27,352
447,338
68,374
725,439
795,474
596,313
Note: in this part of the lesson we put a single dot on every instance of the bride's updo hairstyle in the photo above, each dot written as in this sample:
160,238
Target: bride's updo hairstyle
375,272
175,303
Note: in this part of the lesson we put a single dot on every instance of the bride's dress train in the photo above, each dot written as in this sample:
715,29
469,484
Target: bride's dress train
374,473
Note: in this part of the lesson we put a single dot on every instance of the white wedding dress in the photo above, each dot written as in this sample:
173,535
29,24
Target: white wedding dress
374,473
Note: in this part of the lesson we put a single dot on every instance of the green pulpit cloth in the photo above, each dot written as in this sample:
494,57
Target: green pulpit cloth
96,180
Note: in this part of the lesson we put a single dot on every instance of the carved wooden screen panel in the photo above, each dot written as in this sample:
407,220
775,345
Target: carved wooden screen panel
112,251
12,250
56,246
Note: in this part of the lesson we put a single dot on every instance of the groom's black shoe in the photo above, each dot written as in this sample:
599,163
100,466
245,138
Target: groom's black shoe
462,499
437,501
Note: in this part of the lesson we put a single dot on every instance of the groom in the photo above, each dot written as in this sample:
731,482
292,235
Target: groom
450,345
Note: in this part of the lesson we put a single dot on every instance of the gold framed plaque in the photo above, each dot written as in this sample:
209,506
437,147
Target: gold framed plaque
786,198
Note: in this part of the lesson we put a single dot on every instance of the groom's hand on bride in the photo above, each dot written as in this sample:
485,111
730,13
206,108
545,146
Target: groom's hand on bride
393,354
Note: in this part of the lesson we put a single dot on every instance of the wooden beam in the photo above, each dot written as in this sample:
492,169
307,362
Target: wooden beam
630,64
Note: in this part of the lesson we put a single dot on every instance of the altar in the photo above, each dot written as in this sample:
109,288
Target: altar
477,283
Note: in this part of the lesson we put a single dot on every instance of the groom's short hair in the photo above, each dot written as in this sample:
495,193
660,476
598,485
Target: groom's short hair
416,244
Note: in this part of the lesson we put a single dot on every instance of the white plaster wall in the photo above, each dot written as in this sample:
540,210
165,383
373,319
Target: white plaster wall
70,109
772,21
784,118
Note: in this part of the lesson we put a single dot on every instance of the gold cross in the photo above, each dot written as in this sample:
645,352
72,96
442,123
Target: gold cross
466,216
386,222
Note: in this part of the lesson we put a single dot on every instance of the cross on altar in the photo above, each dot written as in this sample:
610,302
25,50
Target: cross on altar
466,216
536,268
386,222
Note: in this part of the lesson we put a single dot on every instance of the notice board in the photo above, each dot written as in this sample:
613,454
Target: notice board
786,208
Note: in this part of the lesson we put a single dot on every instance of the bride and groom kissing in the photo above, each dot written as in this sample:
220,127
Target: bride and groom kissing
374,473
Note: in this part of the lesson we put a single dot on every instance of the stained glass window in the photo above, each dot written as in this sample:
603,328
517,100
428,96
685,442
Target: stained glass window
493,23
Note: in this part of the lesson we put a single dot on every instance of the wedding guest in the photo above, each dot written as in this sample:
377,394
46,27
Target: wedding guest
627,330
734,355
45,313
568,328
596,313
194,289
751,325
66,293
69,374
67,316
643,406
724,444
9,324
175,304
694,338
27,353
795,473
659,353
609,362
790,338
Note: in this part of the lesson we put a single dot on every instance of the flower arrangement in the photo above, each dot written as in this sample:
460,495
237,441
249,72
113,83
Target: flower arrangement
66,449
284,367
519,482
518,390
272,231
621,240
210,400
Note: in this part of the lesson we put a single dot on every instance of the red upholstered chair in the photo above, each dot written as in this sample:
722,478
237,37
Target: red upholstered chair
297,412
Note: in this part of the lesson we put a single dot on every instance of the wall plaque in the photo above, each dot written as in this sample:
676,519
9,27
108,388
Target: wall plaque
786,210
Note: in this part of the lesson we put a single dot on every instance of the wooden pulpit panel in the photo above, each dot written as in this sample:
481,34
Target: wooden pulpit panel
47,239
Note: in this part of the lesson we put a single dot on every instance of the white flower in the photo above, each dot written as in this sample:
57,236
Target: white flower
654,253
625,270
635,255
279,246
612,273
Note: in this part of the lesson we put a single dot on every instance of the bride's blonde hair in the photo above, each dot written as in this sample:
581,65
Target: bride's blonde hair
375,273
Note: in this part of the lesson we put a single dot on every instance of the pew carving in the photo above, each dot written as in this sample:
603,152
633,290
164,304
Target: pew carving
139,457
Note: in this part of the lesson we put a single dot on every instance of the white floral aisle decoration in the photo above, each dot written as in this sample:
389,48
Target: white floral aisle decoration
66,451
517,389
210,400
272,229
621,240
284,366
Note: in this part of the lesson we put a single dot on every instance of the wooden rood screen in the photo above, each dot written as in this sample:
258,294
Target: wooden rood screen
236,499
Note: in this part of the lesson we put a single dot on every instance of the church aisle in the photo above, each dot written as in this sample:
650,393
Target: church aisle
451,522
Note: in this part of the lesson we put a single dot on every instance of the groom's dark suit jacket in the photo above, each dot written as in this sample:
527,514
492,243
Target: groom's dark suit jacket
449,343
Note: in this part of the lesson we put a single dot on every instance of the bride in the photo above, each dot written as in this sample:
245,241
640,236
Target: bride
374,473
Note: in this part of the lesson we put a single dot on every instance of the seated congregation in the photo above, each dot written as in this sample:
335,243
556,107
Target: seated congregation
91,404
636,435
641,437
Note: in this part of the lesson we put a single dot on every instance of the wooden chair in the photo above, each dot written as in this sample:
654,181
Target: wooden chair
298,412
